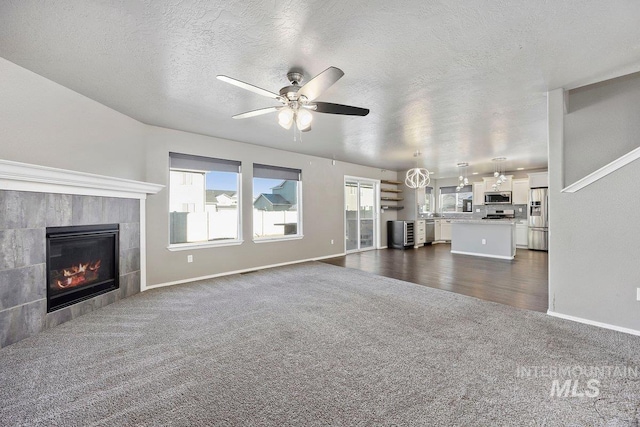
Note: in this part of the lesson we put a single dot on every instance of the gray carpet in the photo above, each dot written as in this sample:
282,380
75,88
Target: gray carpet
311,344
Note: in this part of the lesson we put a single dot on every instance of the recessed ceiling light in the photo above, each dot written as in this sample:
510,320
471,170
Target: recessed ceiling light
474,173
520,169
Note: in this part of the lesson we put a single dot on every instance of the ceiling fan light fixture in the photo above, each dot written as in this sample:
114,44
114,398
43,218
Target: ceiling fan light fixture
303,119
285,117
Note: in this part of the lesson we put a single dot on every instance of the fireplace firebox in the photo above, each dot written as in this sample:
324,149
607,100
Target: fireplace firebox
82,262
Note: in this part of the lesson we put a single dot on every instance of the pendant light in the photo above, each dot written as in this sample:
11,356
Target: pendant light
417,177
498,172
462,180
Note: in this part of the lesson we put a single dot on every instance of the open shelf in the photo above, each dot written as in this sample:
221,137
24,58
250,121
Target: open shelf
390,182
391,208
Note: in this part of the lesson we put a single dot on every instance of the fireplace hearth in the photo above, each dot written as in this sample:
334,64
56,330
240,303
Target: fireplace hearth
82,262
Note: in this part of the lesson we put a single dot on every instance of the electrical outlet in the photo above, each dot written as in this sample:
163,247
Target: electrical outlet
638,294
189,258
519,209
332,241
478,210
484,241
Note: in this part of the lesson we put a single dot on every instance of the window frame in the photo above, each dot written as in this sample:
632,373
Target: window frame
209,243
440,194
299,229
430,196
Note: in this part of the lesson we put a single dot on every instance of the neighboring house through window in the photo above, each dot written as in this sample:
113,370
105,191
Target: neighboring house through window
203,200
276,203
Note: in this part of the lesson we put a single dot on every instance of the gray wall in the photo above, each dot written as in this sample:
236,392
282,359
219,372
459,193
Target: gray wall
322,198
594,236
46,124
601,125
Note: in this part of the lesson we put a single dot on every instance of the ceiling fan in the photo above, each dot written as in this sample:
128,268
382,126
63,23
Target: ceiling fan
298,101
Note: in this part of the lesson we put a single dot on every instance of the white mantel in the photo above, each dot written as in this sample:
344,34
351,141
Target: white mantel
18,176
43,179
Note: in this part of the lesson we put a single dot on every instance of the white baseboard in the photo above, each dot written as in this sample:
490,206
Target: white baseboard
594,323
228,273
482,255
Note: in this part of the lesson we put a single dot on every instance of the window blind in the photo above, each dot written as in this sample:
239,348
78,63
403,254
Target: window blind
202,164
452,189
275,172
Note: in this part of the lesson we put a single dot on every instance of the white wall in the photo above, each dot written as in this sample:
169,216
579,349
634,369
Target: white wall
594,237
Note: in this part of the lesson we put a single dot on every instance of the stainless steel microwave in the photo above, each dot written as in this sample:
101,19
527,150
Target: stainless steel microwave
498,198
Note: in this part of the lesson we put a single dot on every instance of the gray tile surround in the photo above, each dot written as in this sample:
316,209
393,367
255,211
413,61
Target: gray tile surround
25,216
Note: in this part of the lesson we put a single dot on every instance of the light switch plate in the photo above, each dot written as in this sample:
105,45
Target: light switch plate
638,294
189,258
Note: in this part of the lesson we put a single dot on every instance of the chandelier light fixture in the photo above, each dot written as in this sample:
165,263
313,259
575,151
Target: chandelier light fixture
417,177
462,179
498,172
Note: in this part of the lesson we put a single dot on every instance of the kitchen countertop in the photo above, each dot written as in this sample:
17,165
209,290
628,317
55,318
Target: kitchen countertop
481,221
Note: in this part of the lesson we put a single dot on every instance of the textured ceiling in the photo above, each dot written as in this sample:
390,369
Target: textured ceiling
460,81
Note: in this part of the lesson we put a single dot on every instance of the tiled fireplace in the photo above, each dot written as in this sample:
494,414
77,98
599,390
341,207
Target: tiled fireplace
86,279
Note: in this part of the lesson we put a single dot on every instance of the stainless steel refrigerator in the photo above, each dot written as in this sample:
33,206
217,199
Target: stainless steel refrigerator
539,219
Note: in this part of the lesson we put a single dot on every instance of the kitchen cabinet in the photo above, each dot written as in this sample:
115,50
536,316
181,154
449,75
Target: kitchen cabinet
522,234
445,230
478,193
420,232
520,192
539,179
505,186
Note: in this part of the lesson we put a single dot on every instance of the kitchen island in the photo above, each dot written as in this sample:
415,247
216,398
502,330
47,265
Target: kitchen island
492,238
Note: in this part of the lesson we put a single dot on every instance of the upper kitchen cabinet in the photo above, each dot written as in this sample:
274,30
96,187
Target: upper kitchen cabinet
505,186
478,193
539,180
520,191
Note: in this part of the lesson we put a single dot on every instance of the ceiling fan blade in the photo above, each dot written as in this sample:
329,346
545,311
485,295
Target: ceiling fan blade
323,81
254,113
347,110
247,86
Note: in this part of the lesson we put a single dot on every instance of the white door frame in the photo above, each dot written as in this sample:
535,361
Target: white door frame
376,211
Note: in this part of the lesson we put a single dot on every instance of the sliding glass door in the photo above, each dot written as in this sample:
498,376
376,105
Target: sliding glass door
360,214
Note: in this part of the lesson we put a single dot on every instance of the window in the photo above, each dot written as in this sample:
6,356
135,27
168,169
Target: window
452,200
426,206
277,209
203,200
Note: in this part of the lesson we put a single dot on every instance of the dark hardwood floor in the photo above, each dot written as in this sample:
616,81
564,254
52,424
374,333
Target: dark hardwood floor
521,283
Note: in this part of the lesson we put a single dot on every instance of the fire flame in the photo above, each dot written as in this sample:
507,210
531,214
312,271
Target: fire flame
77,274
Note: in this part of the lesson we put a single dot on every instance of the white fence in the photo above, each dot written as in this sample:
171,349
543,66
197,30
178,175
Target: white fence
212,225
